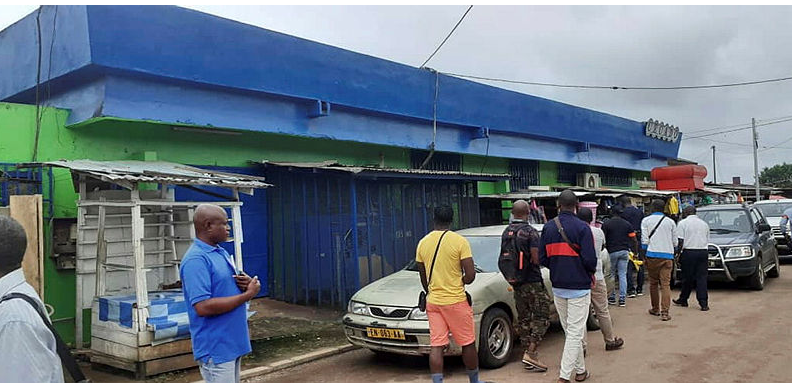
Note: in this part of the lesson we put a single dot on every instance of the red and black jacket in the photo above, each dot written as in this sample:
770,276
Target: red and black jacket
570,268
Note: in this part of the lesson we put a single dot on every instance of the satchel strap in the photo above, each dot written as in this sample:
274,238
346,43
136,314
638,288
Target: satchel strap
431,269
561,231
63,351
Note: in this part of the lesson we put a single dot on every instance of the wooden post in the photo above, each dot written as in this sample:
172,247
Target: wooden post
78,313
101,253
236,218
139,253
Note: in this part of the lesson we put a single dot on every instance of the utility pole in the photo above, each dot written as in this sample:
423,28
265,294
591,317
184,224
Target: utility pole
714,168
756,158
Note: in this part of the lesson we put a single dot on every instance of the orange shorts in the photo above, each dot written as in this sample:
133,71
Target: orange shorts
455,320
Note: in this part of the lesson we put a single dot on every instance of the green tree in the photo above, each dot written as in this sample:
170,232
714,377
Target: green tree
778,175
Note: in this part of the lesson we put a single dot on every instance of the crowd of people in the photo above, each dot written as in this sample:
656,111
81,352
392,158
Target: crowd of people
570,246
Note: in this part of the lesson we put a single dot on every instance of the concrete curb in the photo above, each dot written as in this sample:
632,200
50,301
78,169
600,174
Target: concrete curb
293,362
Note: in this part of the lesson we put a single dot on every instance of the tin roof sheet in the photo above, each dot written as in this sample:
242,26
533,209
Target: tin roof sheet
130,172
386,172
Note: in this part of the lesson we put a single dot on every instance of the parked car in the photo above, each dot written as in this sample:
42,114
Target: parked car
773,210
383,316
741,246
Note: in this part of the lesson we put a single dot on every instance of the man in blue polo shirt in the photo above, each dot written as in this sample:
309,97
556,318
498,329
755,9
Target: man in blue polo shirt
216,295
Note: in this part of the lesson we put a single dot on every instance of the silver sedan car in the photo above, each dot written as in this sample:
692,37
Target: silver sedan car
383,316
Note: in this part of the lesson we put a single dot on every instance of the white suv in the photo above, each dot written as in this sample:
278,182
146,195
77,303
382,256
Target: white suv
772,210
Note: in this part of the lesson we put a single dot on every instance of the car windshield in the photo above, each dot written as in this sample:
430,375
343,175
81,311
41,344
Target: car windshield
773,209
726,221
485,254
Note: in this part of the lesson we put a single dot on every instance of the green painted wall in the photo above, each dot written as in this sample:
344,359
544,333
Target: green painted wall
110,139
481,164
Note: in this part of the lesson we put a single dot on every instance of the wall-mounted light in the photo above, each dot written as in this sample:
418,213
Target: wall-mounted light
203,130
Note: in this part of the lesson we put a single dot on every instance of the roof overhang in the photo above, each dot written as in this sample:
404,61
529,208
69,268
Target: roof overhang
376,172
130,173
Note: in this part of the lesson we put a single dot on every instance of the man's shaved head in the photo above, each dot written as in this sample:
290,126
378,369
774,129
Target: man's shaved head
567,200
211,224
520,209
13,243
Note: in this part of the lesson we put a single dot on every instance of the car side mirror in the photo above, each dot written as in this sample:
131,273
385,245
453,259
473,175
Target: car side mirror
762,227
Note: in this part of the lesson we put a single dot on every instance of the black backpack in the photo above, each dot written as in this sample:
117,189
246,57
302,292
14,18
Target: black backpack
513,263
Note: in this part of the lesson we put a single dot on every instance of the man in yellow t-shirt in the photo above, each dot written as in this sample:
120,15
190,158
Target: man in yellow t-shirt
446,303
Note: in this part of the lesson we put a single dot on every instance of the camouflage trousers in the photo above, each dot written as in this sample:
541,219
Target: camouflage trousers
533,312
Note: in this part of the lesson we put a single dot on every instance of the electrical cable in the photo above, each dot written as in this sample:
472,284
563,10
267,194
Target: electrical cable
434,122
738,129
447,37
38,83
618,87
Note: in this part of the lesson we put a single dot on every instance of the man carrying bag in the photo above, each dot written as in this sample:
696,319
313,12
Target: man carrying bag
30,349
658,236
446,255
519,264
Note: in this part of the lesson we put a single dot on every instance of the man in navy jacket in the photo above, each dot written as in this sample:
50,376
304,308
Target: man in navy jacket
572,262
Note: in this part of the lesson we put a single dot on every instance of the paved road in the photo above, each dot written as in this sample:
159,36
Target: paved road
746,337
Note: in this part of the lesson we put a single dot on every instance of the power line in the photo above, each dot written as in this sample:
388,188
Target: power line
447,37
619,87
739,129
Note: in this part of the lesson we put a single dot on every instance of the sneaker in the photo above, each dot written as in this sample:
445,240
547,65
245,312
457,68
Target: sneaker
680,303
622,303
640,293
612,301
631,295
614,344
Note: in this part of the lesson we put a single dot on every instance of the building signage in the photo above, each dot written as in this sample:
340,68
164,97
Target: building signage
662,131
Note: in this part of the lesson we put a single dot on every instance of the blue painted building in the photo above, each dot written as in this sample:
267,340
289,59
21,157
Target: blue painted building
208,91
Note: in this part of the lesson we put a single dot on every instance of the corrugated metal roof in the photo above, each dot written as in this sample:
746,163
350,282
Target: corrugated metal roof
386,172
126,173
531,195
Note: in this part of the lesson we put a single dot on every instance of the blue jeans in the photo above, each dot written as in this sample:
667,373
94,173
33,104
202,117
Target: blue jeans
220,373
619,261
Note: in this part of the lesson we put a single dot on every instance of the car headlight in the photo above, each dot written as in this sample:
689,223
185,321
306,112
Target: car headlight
417,314
358,308
739,252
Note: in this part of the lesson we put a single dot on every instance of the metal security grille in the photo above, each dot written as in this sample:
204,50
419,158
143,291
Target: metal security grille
615,177
439,161
523,173
567,173
332,233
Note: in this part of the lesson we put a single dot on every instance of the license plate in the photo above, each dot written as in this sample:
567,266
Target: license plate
385,333
711,263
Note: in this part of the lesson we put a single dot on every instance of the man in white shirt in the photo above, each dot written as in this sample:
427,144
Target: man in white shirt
658,238
693,235
28,350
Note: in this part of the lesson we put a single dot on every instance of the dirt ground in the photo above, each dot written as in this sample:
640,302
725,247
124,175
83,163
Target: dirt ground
278,331
746,337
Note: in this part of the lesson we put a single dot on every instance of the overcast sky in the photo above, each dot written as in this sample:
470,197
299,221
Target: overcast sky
614,45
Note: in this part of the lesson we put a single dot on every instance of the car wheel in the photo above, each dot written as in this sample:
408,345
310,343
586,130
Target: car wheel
757,280
592,323
496,338
776,271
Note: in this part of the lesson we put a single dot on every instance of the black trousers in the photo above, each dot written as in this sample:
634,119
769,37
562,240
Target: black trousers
694,275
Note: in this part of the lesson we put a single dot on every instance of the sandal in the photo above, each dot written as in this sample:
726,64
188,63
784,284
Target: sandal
532,359
614,344
582,377
655,313
665,317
